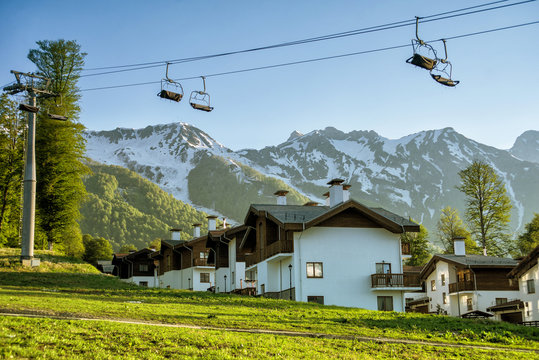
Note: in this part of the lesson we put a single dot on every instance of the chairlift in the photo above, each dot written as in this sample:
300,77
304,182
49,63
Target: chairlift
441,73
170,89
53,116
200,100
424,54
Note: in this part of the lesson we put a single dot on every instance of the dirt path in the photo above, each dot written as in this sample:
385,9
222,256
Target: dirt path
272,332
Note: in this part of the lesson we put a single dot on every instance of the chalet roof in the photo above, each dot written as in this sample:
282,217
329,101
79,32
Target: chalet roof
476,314
525,264
173,243
292,214
472,261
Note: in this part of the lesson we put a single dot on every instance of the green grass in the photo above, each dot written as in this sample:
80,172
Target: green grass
90,295
51,262
60,339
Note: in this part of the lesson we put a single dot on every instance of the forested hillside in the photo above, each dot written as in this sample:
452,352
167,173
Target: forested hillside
127,209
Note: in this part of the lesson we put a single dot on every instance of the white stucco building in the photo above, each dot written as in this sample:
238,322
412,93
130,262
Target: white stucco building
344,254
467,285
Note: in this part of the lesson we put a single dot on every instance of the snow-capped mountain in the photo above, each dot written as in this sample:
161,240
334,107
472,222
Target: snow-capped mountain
526,146
416,175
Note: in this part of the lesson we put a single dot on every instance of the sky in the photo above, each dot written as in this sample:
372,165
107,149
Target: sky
496,101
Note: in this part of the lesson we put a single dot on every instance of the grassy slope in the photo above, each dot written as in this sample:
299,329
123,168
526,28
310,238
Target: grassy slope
99,296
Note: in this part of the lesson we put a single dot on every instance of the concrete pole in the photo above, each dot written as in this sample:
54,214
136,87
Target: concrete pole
29,184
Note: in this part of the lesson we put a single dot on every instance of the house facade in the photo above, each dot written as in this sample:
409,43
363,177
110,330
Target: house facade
524,309
136,267
467,285
344,254
184,264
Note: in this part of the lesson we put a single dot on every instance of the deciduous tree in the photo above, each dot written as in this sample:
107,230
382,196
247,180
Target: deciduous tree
96,249
529,239
487,208
450,226
420,248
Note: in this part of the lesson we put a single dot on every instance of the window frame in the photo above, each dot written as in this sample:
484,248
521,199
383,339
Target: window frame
469,303
531,289
444,298
384,265
203,275
433,285
143,267
314,275
386,300
442,279
316,299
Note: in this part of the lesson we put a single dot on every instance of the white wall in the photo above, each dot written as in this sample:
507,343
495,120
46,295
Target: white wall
349,257
195,280
220,279
531,311
172,279
137,279
437,296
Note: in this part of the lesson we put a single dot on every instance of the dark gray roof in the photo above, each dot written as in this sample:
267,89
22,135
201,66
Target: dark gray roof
174,242
479,260
292,214
394,217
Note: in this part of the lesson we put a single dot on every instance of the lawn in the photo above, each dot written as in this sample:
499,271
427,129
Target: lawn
91,295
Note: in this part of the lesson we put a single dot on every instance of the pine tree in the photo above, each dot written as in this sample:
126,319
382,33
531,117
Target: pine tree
450,226
487,208
60,146
11,171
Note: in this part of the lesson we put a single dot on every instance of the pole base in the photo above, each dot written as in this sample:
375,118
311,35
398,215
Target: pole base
30,262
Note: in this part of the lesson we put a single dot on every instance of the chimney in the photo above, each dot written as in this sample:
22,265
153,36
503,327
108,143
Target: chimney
326,195
458,246
196,230
335,192
175,234
281,197
212,222
346,192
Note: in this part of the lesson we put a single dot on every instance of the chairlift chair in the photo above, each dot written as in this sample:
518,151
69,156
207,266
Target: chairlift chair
54,116
200,100
422,52
170,89
442,72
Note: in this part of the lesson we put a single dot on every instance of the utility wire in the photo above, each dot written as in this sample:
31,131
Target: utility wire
317,59
429,18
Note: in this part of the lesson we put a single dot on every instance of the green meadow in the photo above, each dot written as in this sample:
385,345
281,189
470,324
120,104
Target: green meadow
61,287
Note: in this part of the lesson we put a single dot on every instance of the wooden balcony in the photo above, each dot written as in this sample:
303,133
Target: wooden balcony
279,247
405,249
251,259
201,262
462,286
395,280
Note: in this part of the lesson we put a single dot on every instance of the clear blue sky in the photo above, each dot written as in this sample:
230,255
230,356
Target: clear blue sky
496,101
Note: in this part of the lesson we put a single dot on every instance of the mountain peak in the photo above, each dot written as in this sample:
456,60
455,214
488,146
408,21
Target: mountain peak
294,135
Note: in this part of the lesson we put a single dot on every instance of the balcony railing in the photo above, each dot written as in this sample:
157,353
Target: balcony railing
200,262
461,286
279,247
405,249
394,280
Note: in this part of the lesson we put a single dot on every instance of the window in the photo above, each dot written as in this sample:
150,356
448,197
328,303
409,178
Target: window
385,303
500,301
383,268
263,288
168,262
469,304
444,298
316,299
433,285
143,267
204,277
232,277
143,283
203,255
443,279
314,270
531,286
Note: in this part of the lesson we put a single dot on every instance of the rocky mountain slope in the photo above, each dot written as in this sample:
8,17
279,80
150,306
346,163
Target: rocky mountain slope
415,175
526,146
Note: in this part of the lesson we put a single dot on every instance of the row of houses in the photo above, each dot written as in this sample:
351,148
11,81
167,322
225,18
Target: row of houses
342,253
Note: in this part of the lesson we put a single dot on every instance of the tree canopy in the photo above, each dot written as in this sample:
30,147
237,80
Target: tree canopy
529,239
487,208
96,249
451,226
420,248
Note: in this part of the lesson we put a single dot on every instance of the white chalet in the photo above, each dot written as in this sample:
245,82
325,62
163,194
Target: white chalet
467,285
343,254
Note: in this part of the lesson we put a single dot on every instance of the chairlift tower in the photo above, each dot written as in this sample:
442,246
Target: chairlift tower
34,86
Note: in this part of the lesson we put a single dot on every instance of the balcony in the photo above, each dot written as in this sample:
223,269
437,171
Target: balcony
462,286
201,262
251,259
391,281
279,247
405,249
